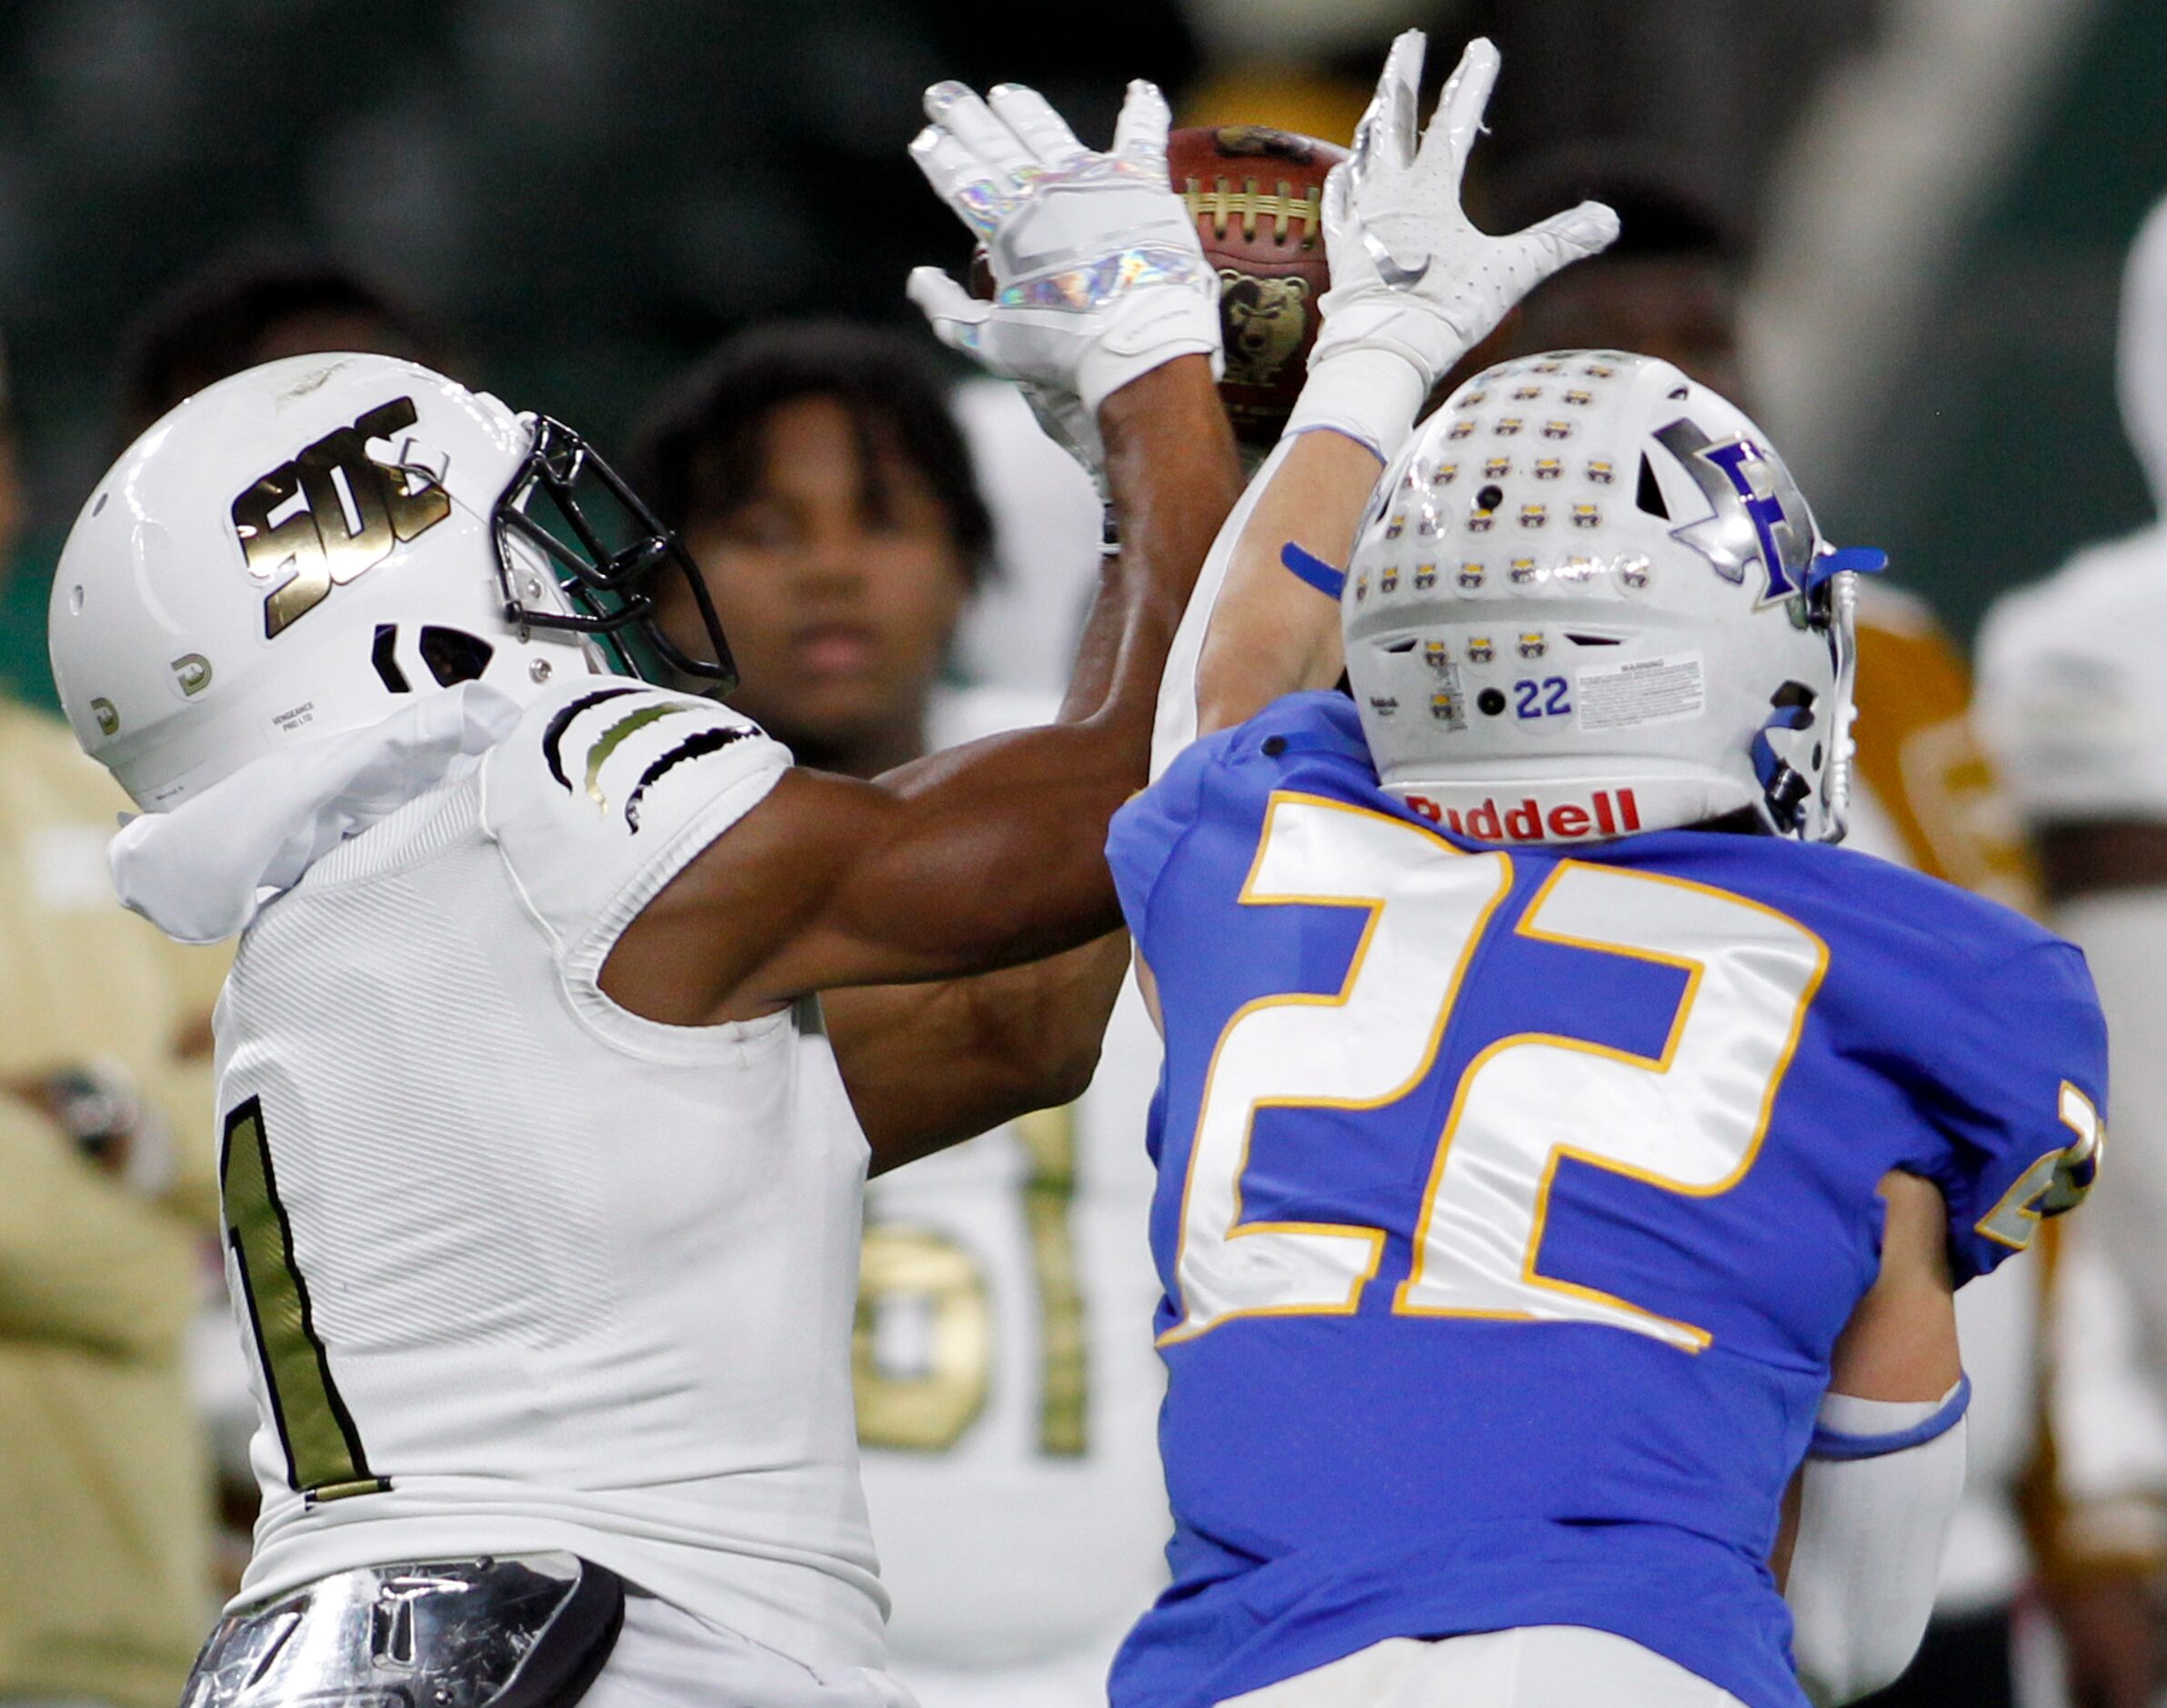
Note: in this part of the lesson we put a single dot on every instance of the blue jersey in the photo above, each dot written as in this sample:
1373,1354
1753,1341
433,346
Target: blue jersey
1510,1203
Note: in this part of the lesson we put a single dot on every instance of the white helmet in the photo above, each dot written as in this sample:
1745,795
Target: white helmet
1589,600
294,550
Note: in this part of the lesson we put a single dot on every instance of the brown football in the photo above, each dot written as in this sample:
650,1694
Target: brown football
1257,195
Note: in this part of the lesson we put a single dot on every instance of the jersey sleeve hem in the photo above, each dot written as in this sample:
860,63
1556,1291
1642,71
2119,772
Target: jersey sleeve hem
580,966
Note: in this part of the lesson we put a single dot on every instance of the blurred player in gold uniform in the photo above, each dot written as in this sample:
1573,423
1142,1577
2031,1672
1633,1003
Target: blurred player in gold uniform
1007,1389
2070,677
106,1199
2066,1452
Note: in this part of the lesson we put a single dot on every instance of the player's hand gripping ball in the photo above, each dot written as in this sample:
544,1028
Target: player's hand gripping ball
1098,278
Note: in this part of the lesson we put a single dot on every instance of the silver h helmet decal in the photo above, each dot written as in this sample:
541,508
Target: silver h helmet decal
1760,516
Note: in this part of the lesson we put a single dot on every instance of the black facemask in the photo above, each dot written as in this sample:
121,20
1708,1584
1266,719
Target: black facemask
607,548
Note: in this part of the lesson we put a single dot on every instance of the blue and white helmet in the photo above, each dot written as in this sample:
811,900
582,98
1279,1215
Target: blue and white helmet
1590,600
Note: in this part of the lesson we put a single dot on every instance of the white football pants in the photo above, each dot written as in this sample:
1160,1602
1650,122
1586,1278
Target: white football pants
1536,1666
668,1658
1076,1679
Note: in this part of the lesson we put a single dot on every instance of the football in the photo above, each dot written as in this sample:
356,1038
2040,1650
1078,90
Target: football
1258,197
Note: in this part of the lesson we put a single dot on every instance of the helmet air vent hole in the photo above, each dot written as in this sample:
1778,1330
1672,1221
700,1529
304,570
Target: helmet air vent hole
1650,496
455,656
99,508
1680,393
1402,645
387,667
1593,640
74,601
1490,497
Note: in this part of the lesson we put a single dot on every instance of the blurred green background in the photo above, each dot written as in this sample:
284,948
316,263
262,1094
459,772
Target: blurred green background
583,194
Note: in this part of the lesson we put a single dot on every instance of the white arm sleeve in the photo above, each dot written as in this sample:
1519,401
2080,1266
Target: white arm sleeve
1871,1533
1176,726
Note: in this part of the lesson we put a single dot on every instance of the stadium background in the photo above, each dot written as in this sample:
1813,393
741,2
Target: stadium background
586,192
583,194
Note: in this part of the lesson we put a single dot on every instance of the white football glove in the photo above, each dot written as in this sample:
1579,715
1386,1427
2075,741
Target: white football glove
1412,279
1098,275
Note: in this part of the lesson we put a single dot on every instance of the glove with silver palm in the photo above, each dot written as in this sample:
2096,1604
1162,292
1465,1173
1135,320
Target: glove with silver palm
1098,275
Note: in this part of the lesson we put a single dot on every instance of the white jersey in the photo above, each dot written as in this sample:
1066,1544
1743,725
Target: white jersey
2070,679
520,1270
1007,1388
2070,670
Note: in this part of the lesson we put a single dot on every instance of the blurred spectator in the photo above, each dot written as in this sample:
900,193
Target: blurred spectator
1007,1390
816,476
2069,1440
1021,627
105,1202
250,307
2073,671
1668,287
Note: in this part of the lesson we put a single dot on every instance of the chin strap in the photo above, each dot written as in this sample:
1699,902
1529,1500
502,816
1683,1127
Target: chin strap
1864,561
1783,757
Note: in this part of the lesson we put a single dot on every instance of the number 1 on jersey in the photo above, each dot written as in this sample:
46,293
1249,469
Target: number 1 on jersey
323,1457
1689,1120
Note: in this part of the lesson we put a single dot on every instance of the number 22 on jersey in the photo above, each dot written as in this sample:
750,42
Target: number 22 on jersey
1689,1120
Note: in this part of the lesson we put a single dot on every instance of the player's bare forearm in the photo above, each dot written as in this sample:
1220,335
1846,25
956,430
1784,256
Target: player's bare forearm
1900,1342
928,1066
1173,474
1271,633
984,857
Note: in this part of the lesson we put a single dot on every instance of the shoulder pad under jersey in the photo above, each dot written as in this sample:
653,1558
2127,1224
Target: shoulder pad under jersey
2004,1054
603,792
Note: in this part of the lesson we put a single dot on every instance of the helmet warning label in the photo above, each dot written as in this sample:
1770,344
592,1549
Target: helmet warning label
1642,691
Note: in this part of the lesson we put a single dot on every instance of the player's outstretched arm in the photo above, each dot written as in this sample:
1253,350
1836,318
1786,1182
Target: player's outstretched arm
1871,1509
989,856
984,857
930,1065
1414,286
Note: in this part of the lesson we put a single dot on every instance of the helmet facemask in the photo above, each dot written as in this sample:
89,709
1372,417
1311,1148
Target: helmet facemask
606,551
1802,754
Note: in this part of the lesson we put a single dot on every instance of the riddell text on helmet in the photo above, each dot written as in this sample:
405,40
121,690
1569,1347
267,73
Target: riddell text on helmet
1609,812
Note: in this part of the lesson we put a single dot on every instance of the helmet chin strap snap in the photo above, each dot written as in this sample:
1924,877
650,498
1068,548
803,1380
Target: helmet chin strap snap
1782,760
